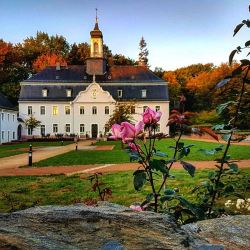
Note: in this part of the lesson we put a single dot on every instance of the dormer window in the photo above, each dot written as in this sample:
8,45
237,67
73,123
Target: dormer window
69,92
119,93
144,93
44,92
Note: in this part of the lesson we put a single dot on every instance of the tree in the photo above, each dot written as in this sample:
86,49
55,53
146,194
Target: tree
159,71
32,123
121,113
78,53
143,54
48,60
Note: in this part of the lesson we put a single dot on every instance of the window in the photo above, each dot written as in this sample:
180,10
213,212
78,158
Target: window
144,108
106,129
29,110
13,135
67,128
81,128
69,92
144,93
119,93
96,50
55,110
2,135
55,128
82,110
30,130
67,110
132,109
8,117
42,110
44,92
13,117
106,110
2,116
157,108
94,110
42,130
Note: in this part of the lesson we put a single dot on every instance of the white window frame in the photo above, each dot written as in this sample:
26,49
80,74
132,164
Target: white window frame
82,109
44,92
144,108
13,117
42,127
157,108
82,130
30,132
44,109
67,128
106,110
56,109
29,110
3,135
119,93
94,110
67,109
69,92
55,127
132,110
13,135
2,116
143,93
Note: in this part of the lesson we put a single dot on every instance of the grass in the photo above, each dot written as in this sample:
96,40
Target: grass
14,149
117,155
22,192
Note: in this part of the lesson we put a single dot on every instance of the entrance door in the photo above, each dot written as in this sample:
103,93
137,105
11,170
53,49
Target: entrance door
19,132
94,130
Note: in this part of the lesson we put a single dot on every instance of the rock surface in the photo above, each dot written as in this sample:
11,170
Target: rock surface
233,232
106,227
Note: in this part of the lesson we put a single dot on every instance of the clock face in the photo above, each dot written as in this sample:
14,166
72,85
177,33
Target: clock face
94,91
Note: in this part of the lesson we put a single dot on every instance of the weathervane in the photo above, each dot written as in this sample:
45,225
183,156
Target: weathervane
96,18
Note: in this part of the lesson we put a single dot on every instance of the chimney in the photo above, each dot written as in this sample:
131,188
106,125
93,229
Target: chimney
58,67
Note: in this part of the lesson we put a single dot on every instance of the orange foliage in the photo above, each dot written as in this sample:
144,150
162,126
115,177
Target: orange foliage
207,80
46,60
170,77
4,49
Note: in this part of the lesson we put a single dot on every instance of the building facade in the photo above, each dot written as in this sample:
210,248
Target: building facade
8,120
79,99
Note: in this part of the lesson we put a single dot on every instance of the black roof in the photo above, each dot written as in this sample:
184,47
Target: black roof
130,79
77,73
5,103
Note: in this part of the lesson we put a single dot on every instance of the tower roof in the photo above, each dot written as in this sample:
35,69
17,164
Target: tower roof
96,31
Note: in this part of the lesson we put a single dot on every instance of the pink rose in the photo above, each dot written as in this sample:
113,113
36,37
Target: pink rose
133,147
116,131
136,208
150,116
129,132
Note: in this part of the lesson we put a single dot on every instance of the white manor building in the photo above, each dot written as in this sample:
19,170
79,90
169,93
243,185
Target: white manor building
79,99
8,120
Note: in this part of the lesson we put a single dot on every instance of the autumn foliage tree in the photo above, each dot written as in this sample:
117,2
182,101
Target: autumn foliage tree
46,60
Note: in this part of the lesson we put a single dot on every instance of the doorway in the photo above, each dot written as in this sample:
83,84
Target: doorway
94,130
19,132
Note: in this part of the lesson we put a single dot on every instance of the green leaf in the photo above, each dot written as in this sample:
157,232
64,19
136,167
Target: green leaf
231,56
158,165
237,28
166,198
180,145
184,152
139,179
211,175
169,192
161,154
229,188
223,106
188,167
218,127
225,137
234,167
211,151
134,156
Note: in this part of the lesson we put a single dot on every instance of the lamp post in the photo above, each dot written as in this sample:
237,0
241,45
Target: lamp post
30,155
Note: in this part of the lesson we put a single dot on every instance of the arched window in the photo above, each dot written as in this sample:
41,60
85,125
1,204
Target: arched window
96,49
106,110
94,110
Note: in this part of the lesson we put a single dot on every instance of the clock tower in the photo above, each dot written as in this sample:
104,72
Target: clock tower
96,64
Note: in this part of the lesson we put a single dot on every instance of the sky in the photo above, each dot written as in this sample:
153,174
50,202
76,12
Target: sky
177,32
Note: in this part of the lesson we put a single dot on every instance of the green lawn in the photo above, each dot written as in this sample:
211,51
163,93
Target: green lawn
22,192
14,149
117,155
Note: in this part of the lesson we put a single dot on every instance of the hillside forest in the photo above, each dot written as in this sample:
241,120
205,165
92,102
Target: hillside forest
195,83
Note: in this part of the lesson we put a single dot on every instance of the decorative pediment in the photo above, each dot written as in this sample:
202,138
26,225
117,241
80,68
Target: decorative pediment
94,93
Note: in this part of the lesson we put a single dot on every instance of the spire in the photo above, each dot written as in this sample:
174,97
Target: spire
96,20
